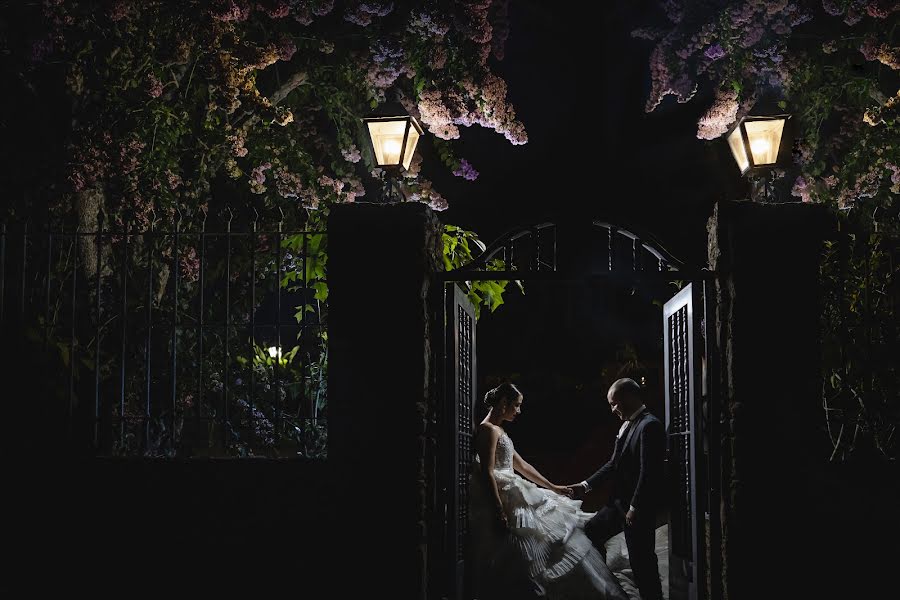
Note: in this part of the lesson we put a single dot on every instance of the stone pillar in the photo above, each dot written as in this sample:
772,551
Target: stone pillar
769,306
381,262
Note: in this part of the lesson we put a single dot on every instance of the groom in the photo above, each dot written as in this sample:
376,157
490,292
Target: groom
636,468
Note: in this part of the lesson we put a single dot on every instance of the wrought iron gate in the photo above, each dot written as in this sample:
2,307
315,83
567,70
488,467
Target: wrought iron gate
459,414
531,253
681,343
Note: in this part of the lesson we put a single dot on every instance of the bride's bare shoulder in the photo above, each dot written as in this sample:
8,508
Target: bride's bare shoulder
488,429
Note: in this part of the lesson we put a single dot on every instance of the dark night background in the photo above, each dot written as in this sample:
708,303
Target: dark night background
579,83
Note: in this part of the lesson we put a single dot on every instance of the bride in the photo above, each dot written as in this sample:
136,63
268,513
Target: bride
527,533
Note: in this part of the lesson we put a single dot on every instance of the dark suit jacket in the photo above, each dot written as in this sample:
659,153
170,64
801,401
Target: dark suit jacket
636,465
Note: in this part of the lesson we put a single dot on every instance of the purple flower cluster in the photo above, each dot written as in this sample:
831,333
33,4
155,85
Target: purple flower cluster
154,86
362,13
895,177
483,104
353,189
286,48
801,189
118,10
466,171
803,154
430,23
473,21
263,428
866,186
190,264
174,180
883,53
832,7
719,117
438,58
351,154
275,9
415,166
230,10
320,8
385,67
287,184
882,9
664,82
237,144
714,52
426,194
258,178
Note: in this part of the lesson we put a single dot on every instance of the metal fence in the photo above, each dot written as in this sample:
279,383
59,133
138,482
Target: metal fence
172,343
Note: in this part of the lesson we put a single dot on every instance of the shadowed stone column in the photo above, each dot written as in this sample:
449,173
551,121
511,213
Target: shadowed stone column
769,306
381,261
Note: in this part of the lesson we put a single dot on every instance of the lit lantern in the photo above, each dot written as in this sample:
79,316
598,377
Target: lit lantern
394,135
755,142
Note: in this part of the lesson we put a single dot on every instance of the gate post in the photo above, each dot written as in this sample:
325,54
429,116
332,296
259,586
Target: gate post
768,301
381,261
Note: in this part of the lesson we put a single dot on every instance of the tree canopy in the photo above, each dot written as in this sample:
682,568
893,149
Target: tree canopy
143,109
834,65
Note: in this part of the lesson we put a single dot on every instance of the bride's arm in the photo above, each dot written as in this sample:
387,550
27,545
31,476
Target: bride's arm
486,446
533,475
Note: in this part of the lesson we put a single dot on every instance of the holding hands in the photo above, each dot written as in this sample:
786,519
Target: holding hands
563,490
576,490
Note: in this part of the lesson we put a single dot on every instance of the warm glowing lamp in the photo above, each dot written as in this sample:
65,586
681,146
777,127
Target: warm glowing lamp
393,134
394,137
755,142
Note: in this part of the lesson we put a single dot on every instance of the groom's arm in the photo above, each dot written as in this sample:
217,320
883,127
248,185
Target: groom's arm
652,450
598,477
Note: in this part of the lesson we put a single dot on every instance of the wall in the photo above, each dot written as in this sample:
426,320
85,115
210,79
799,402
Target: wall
381,261
769,306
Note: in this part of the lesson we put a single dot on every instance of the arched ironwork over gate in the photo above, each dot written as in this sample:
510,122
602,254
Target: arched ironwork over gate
572,251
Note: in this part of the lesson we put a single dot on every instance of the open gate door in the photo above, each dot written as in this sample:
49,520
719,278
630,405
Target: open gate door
458,429
683,377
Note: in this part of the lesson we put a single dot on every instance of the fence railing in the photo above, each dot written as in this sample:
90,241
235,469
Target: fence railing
173,343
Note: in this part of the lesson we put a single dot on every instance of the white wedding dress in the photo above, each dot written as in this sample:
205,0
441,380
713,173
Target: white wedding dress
545,552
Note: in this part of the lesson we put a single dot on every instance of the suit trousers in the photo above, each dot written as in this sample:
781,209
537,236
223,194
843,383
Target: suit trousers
640,537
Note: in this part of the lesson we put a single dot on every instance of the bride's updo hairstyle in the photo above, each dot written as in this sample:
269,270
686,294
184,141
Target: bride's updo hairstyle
503,393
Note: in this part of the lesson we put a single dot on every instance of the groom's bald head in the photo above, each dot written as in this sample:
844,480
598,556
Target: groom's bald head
624,397
626,387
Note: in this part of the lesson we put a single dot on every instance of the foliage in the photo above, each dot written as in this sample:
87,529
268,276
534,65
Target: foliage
175,105
860,323
833,65
457,245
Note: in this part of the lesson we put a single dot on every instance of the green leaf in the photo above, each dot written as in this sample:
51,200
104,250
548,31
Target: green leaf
321,291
